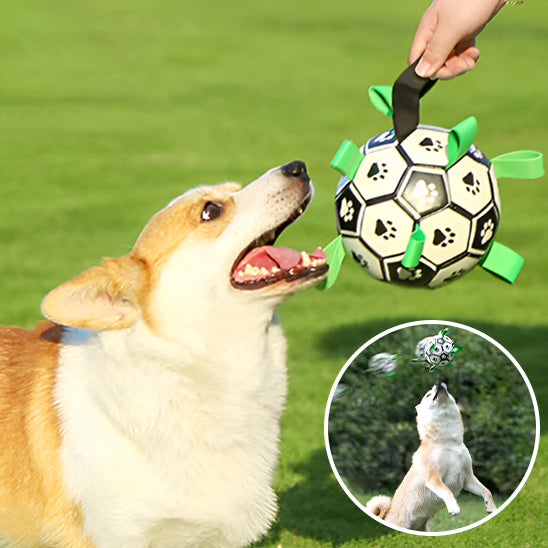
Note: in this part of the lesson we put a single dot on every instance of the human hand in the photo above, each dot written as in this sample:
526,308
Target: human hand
446,36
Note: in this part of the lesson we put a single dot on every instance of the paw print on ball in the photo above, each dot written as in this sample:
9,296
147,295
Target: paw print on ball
410,274
377,171
472,184
431,145
487,231
385,229
444,238
424,191
347,210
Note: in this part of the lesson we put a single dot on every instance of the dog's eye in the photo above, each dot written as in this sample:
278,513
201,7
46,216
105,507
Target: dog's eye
211,211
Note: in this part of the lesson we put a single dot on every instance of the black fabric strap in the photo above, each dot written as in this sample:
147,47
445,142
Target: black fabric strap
408,88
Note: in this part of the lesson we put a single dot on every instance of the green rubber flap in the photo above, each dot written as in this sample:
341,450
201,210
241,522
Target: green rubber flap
347,159
381,98
460,138
521,164
335,256
414,249
502,261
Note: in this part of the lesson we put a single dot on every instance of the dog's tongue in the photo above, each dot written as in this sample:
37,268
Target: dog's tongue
268,256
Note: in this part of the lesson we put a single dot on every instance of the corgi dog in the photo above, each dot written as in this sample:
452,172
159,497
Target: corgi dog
440,470
145,412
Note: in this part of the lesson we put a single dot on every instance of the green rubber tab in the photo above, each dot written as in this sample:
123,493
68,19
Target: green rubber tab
348,159
335,256
521,164
381,99
502,261
460,139
414,249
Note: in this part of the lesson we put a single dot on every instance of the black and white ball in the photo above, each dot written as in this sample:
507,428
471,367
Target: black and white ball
401,186
383,362
438,350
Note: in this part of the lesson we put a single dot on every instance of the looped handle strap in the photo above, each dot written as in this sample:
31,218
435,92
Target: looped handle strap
408,88
523,164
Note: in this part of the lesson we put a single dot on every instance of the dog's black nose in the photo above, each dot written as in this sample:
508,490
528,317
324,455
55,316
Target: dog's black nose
296,169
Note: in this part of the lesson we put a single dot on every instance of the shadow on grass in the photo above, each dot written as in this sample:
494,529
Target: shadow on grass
526,343
316,507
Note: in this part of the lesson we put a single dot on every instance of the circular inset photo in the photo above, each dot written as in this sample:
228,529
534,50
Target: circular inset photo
431,428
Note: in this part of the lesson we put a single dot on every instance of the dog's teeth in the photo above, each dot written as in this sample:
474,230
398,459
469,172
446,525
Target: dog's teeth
275,269
264,271
305,259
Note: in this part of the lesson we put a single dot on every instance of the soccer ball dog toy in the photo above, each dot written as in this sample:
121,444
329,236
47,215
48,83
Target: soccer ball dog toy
436,351
419,205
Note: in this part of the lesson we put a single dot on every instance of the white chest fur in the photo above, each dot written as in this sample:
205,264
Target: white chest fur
164,448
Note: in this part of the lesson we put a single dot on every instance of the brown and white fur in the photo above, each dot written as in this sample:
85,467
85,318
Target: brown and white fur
441,468
145,413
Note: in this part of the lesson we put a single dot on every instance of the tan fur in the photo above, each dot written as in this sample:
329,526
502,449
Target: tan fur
164,232
34,509
86,301
441,468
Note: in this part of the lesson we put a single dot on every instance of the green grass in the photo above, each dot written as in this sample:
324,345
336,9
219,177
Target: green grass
110,109
472,510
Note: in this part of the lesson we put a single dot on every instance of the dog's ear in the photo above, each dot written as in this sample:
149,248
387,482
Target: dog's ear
103,297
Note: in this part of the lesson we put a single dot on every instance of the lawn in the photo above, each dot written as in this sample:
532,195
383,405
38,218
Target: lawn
472,510
109,109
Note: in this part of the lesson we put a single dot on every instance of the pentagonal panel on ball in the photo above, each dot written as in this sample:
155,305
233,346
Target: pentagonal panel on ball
349,206
419,276
447,236
386,228
484,228
423,191
379,173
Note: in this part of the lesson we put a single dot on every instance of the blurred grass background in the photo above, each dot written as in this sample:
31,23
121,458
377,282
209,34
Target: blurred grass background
110,108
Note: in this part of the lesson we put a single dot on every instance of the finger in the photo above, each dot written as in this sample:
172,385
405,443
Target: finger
425,30
459,64
435,54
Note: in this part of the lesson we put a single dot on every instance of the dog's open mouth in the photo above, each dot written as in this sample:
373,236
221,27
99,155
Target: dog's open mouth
262,263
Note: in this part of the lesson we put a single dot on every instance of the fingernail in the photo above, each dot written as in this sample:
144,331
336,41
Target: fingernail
424,69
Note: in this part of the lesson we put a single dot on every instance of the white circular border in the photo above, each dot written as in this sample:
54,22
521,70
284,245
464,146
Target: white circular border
369,343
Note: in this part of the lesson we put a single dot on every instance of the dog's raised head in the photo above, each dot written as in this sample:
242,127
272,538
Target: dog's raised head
207,257
438,416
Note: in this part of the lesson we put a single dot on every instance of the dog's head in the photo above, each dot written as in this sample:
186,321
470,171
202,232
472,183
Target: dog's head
207,256
438,414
